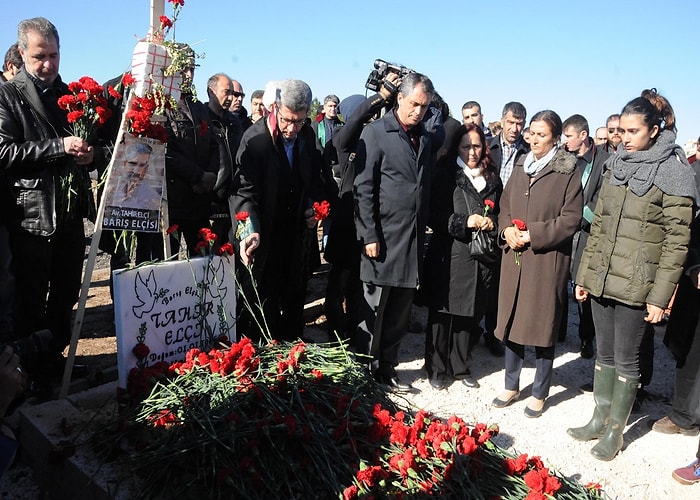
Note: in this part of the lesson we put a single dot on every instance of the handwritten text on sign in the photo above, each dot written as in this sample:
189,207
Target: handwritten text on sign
167,298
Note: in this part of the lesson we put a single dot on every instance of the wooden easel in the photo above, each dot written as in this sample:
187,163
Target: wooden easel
157,10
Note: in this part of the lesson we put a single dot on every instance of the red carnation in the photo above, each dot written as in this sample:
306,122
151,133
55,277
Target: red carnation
127,79
489,203
141,350
519,224
177,2
225,248
201,247
66,101
321,210
112,91
165,22
75,87
242,216
74,116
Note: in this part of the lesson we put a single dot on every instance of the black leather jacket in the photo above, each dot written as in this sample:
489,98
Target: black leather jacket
192,150
228,131
31,152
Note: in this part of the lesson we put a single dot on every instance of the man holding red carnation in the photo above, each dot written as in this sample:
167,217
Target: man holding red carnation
278,177
48,243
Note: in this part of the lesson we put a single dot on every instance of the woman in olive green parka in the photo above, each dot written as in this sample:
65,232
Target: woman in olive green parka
633,258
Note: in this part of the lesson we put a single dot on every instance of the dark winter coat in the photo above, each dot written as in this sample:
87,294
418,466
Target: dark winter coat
227,131
392,189
192,150
597,155
276,197
453,282
342,248
682,330
532,295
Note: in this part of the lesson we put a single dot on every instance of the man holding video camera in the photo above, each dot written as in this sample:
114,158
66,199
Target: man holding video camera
391,188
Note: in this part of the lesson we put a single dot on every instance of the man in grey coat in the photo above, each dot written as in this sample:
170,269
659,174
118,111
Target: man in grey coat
391,188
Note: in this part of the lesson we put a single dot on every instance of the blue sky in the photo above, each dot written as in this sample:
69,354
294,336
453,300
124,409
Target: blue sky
587,57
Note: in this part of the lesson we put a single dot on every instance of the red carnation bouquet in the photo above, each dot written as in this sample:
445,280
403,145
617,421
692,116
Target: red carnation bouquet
87,110
141,117
521,226
86,106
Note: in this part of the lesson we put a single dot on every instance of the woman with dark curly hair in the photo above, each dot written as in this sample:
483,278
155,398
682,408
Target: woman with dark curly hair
456,286
634,258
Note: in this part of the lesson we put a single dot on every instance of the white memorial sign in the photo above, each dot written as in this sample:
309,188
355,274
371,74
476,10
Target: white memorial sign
162,306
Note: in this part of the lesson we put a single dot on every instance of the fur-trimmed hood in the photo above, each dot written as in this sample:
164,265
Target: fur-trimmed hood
563,162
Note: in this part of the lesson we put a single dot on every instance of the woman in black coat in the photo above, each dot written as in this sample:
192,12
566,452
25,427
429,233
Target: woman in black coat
455,286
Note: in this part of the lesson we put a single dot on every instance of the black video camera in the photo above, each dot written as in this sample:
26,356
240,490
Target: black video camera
380,72
37,342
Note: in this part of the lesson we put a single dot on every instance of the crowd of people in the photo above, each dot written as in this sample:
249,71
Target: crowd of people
486,226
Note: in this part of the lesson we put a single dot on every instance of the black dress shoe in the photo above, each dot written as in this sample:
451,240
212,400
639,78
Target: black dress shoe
586,349
438,384
470,382
393,382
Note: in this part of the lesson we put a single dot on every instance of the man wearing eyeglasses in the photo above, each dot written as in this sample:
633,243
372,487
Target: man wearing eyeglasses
237,107
278,176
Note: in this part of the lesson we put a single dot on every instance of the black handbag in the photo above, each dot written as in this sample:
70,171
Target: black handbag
482,246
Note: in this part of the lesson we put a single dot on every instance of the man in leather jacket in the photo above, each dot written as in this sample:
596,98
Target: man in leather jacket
36,150
227,129
191,162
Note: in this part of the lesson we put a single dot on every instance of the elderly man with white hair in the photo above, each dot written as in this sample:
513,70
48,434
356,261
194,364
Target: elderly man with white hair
278,176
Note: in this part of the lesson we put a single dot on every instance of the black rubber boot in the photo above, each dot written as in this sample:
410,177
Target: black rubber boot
603,382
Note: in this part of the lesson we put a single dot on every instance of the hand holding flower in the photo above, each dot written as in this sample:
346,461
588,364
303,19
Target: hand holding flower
79,148
310,218
519,237
514,238
248,245
480,223
580,293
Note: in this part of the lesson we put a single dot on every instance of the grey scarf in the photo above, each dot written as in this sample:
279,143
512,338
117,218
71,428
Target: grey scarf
663,165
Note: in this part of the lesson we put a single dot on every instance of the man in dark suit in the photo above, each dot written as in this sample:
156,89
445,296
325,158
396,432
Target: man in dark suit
392,186
278,176
589,161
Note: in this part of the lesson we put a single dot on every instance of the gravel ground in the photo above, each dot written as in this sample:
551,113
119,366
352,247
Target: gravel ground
641,471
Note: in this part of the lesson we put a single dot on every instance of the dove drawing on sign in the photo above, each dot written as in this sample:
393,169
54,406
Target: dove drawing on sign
219,290
145,294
